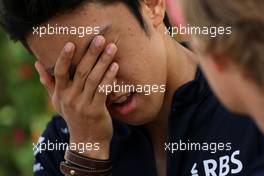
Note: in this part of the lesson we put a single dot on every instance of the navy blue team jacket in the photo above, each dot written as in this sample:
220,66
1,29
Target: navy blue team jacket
196,117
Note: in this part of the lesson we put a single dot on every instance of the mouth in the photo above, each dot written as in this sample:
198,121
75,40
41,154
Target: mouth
124,104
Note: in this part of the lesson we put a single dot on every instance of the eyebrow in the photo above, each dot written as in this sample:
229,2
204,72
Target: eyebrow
51,70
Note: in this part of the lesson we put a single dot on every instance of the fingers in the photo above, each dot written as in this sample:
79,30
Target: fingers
62,67
100,97
45,78
94,78
86,64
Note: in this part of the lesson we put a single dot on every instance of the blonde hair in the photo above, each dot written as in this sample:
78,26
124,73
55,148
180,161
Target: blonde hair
245,46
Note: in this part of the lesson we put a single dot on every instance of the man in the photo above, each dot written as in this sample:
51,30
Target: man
180,131
233,63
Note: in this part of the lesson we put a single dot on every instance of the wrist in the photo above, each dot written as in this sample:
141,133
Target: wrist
91,148
79,165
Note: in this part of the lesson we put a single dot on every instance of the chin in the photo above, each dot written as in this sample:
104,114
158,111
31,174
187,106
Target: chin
135,119
135,111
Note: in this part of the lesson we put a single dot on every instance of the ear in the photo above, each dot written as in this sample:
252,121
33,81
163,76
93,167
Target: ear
155,10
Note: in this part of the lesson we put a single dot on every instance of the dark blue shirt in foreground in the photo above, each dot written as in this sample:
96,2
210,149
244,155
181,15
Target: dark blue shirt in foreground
204,140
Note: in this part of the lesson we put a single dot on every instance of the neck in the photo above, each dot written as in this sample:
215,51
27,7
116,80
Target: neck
180,70
258,113
254,103
249,97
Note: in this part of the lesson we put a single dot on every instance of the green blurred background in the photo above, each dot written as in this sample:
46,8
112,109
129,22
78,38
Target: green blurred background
24,108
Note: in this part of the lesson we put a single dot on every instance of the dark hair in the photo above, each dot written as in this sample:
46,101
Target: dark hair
19,16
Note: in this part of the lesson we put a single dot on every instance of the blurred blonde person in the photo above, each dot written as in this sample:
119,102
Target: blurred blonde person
233,64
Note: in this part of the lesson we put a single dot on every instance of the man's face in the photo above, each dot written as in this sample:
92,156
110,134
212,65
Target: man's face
222,76
141,58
